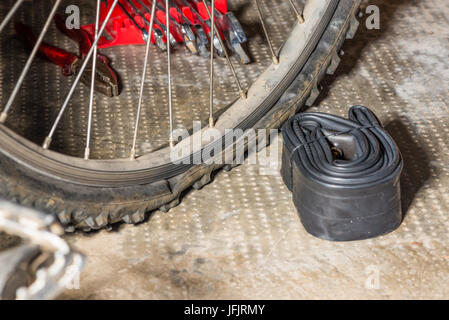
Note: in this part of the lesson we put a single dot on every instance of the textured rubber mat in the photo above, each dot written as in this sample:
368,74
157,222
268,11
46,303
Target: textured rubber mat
240,237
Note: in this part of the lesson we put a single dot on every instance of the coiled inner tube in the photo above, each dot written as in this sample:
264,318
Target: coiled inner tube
344,174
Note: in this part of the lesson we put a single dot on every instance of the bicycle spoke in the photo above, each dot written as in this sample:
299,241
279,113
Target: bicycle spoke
231,65
211,81
92,87
10,14
170,102
25,70
218,45
158,34
270,45
298,14
142,84
48,139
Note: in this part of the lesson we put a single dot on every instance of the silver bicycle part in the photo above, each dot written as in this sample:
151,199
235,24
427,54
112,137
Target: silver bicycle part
265,31
142,85
49,137
298,14
225,52
44,264
10,14
24,73
92,87
170,95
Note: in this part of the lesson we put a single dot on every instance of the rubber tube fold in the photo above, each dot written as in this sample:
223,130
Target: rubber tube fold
344,174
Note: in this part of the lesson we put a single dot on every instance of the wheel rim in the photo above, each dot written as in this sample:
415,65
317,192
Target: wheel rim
153,166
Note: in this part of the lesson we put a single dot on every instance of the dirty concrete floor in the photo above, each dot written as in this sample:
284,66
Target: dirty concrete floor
240,237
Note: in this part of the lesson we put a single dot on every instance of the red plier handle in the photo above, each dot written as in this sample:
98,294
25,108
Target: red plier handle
106,80
80,36
60,57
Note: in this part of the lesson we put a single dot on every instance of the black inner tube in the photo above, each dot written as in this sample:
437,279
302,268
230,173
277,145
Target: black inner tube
343,173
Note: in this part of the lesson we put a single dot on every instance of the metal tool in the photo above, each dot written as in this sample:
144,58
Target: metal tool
121,30
202,40
165,30
159,36
233,33
167,34
217,45
182,28
106,80
235,37
158,33
145,34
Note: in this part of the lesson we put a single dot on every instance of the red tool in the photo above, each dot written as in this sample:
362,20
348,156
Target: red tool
121,30
106,81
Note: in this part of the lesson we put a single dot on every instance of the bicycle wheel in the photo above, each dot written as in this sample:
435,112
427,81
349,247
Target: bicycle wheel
109,186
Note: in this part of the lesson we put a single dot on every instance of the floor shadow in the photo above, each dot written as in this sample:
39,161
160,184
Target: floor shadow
363,38
416,161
